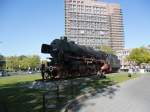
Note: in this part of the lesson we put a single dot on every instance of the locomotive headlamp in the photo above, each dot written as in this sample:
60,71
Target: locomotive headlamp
50,68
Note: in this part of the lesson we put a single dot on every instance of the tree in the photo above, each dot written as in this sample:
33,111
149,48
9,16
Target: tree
34,61
31,62
23,62
106,49
12,63
139,55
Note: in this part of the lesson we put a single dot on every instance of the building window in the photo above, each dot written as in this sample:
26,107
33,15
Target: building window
74,1
103,10
74,8
88,8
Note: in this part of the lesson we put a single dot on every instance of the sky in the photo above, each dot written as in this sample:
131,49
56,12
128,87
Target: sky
26,24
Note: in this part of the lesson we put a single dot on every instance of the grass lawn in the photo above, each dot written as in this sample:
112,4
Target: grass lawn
16,98
118,78
95,84
18,79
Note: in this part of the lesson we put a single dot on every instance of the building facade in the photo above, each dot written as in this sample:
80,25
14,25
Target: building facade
122,55
148,47
94,23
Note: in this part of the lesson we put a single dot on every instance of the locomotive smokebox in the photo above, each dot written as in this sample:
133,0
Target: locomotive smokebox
46,48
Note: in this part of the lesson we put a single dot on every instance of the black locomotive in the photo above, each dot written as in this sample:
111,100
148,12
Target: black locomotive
71,60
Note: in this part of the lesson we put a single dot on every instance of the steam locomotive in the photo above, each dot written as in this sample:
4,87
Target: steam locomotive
68,59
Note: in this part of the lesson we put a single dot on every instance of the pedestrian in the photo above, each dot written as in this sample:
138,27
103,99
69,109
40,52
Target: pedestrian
130,71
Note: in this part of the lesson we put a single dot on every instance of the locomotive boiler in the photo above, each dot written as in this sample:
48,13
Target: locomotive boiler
68,59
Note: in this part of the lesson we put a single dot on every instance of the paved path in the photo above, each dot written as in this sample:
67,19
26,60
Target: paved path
131,96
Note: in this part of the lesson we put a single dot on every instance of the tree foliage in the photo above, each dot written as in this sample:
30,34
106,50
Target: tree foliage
106,49
139,55
12,62
22,62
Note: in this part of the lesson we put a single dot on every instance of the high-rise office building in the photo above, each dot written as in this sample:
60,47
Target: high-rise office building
94,23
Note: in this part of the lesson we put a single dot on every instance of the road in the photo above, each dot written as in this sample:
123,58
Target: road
130,96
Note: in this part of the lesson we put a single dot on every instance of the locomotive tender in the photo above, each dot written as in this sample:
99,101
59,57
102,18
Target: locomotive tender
71,60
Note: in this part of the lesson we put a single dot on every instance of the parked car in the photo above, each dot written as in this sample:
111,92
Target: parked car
2,73
30,72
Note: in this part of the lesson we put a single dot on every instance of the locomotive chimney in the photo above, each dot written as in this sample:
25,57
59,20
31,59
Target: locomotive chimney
63,38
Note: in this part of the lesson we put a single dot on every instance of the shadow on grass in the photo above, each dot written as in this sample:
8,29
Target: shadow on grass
15,98
86,88
92,88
